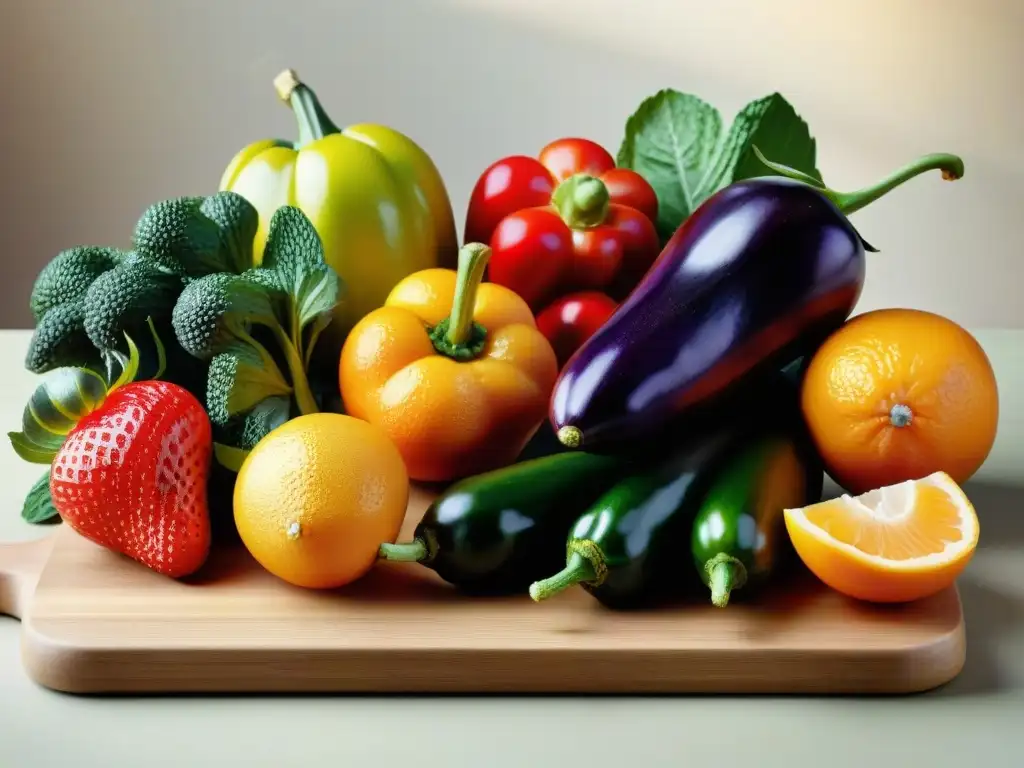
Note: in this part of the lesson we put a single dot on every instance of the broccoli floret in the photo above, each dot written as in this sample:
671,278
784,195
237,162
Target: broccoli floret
125,297
290,299
175,235
214,311
68,276
60,340
262,420
239,379
237,221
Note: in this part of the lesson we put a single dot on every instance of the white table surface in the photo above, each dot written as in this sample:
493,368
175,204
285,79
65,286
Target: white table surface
978,719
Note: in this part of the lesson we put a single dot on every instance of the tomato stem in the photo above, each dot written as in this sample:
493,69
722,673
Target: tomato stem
582,201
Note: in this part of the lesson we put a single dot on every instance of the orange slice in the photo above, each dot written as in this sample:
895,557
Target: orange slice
895,544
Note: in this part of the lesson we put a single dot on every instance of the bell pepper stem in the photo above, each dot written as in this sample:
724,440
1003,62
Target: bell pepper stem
951,166
582,201
312,120
473,258
414,551
725,573
578,569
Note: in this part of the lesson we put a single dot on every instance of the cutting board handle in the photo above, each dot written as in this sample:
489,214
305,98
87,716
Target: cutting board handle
21,563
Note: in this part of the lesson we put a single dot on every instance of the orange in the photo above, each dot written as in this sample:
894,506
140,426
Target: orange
316,498
894,544
897,394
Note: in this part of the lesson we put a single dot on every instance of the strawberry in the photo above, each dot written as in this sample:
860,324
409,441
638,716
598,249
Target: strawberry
132,474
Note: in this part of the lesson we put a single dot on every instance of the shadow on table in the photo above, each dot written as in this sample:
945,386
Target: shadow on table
990,612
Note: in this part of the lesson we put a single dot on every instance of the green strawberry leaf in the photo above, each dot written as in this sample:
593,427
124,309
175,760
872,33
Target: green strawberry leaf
675,141
38,507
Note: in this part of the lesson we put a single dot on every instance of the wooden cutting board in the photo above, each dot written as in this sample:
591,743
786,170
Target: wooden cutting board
97,622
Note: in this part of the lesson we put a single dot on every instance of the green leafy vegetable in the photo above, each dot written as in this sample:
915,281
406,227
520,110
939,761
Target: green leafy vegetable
38,507
291,296
177,237
237,221
675,140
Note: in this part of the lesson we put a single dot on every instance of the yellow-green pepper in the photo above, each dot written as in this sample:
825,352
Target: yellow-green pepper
375,197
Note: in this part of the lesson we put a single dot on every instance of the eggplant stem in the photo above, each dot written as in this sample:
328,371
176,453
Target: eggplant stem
578,570
725,573
951,166
414,551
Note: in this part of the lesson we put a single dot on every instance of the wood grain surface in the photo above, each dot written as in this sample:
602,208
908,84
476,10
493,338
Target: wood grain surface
100,623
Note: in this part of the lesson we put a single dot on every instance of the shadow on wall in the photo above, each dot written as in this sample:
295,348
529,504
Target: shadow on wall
156,97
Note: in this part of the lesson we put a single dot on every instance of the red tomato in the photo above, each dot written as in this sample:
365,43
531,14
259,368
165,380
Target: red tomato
507,186
572,319
627,187
615,255
566,157
531,250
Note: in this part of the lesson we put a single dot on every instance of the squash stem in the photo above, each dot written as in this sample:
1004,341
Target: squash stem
312,120
414,551
577,571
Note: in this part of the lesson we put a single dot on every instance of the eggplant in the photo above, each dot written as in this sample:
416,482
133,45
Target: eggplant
758,276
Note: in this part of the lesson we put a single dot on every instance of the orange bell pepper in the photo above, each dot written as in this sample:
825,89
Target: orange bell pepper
455,371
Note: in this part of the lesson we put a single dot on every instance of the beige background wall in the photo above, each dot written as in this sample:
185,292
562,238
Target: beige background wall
109,105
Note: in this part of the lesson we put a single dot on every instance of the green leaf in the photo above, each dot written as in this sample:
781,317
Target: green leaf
264,419
295,253
229,457
675,141
773,125
240,378
38,507
28,451
237,220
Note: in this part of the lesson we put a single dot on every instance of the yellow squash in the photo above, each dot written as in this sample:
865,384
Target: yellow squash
375,197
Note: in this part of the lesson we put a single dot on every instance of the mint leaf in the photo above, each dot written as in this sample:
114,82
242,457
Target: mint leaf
295,255
670,140
773,126
675,141
38,507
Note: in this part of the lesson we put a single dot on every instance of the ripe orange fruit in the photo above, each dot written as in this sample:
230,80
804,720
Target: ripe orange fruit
316,498
898,543
897,394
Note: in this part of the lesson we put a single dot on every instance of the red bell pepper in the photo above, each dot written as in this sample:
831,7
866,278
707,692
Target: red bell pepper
566,221
569,321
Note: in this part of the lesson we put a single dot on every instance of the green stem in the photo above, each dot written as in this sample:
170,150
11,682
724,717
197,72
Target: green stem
300,384
312,120
473,259
414,551
725,573
582,201
457,336
577,570
951,166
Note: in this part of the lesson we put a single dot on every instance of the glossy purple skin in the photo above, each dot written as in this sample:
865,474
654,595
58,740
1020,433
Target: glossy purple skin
757,276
